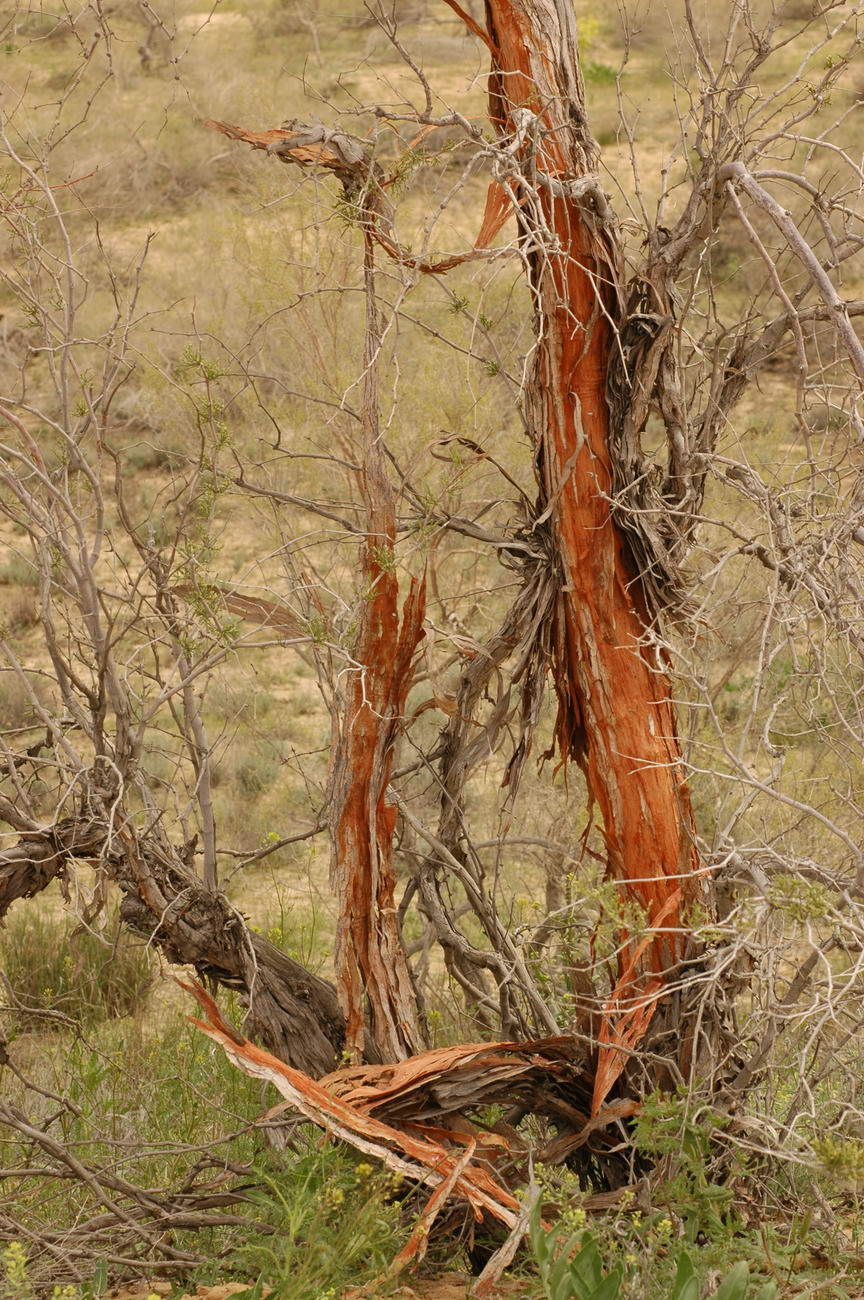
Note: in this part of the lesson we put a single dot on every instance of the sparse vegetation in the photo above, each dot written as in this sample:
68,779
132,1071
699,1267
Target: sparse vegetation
230,458
62,974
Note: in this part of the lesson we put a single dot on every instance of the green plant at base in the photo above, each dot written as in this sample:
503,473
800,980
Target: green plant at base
734,1286
679,1141
335,1222
572,1267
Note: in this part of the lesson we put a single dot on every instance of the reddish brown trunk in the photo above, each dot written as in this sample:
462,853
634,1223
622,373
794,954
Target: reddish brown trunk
615,711
369,953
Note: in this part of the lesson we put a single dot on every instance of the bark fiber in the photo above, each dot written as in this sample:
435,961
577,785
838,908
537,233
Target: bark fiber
616,715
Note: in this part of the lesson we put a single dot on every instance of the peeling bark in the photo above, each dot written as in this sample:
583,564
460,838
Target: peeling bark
370,957
371,966
615,714
369,952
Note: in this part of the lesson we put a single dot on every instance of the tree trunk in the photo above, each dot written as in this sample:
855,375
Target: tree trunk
615,712
370,959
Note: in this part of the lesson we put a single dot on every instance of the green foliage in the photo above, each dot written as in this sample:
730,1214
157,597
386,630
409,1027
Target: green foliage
592,1265
668,1130
16,1282
86,977
335,1221
571,1267
600,74
843,1159
138,1101
385,558
801,900
256,774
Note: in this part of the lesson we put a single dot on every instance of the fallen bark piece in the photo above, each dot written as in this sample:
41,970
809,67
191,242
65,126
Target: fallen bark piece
426,1162
451,1080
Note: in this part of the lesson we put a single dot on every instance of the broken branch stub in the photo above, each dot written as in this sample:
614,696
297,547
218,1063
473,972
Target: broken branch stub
365,187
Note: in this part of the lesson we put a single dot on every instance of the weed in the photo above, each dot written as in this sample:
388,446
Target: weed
631,1263
669,1132
600,74
335,1221
85,977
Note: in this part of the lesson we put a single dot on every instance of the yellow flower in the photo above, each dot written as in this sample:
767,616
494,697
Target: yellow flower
14,1260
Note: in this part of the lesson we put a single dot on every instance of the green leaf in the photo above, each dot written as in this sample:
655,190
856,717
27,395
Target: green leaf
610,1287
735,1284
565,1270
685,1286
587,1265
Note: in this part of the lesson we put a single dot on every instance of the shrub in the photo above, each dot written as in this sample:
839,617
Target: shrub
19,613
256,773
86,977
16,704
336,1221
18,572
580,1266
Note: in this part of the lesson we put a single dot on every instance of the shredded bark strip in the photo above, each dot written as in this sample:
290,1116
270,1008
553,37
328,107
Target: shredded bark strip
415,1115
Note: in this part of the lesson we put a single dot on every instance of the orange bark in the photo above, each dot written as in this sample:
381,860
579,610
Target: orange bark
369,953
616,715
422,1159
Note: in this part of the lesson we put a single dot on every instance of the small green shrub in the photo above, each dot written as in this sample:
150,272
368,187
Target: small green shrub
255,774
580,1266
599,74
87,978
335,1222
18,572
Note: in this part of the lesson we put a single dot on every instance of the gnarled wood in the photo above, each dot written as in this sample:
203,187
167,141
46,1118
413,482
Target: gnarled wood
295,1013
